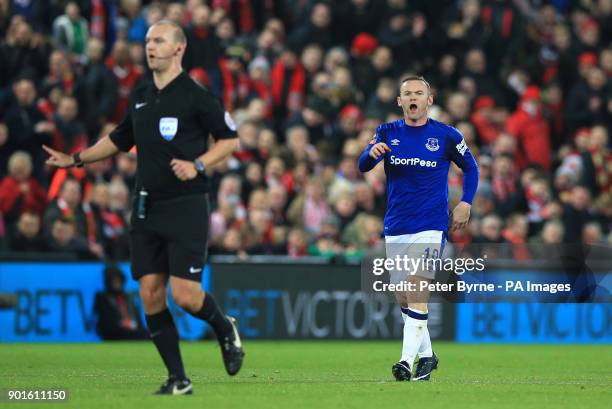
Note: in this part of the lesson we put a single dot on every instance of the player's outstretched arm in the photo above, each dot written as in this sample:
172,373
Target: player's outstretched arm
103,149
372,155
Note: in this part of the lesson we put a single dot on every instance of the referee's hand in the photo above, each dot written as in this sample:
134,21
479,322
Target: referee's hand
59,159
379,149
183,169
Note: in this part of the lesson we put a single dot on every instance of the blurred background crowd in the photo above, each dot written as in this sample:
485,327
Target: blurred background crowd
527,82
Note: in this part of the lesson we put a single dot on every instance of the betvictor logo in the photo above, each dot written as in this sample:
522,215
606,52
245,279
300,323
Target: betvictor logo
413,162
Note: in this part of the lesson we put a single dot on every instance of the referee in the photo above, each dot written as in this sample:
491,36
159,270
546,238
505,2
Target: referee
169,121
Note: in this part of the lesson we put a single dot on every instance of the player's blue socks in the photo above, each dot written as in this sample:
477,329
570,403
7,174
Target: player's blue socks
165,337
415,329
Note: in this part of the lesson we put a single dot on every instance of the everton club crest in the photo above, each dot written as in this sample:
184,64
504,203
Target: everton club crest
432,144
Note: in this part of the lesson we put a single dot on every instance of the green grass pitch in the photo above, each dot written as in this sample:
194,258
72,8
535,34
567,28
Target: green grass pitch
324,374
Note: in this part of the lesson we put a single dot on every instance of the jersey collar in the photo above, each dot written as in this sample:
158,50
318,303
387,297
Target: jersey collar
177,80
418,126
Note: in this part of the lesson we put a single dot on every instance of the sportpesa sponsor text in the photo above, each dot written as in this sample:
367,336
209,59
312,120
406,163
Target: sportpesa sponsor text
413,162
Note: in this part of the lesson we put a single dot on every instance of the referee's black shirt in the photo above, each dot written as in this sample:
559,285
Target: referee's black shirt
172,123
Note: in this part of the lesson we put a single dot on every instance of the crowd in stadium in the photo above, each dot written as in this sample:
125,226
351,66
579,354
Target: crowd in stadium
528,83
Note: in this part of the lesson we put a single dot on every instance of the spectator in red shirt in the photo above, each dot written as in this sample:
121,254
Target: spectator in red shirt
530,128
19,191
488,120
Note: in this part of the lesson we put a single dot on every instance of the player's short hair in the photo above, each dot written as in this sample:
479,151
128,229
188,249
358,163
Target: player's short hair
179,34
416,78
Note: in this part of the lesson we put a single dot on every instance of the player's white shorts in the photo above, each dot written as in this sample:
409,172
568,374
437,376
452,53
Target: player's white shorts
417,247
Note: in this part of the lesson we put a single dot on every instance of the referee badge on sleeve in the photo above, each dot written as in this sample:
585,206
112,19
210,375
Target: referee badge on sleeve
168,127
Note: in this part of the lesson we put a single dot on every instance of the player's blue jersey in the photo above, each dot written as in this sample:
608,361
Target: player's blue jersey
417,174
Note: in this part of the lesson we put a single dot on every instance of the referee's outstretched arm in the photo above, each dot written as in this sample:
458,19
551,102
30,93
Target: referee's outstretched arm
101,150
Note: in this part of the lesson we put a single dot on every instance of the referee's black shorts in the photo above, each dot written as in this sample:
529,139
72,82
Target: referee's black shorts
172,239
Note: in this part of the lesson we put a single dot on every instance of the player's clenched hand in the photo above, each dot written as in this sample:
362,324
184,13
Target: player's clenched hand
379,149
183,169
461,215
59,159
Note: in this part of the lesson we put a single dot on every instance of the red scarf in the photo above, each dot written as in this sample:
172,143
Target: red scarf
126,321
507,17
503,187
297,82
69,214
127,77
114,225
61,175
46,107
246,21
236,87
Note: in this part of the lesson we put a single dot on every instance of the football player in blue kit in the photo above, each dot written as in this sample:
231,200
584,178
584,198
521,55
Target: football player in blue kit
417,152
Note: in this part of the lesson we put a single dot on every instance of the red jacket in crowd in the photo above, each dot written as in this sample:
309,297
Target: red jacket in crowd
487,129
530,128
236,87
295,77
34,199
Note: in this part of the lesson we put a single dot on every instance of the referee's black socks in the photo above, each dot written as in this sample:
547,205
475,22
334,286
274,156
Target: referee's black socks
165,337
211,313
